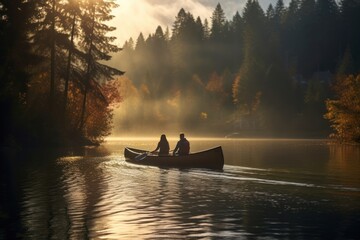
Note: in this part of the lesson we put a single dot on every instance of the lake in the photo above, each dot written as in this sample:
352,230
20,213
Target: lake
269,189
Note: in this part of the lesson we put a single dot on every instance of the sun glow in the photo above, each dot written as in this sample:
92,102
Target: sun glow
143,16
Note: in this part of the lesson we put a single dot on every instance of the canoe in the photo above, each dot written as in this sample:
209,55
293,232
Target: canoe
212,158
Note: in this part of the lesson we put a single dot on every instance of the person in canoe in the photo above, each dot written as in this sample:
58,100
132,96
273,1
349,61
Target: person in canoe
163,146
182,146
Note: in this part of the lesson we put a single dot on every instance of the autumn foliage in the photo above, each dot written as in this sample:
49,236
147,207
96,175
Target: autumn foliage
55,86
344,110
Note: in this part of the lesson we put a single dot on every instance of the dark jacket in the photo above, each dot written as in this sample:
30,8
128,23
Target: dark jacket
183,146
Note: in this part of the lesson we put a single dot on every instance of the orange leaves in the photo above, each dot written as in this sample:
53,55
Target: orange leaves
111,91
344,112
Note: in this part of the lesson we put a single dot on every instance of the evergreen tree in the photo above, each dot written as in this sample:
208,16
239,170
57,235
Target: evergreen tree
206,29
140,42
73,14
279,11
158,62
200,35
346,66
217,24
98,46
183,43
236,30
349,20
15,60
270,12
220,48
49,40
291,37
306,45
280,63
167,34
327,35
248,85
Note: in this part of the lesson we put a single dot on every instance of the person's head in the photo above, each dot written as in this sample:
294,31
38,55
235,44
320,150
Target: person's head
182,136
163,137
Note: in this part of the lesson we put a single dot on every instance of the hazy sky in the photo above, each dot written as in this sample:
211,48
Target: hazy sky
135,16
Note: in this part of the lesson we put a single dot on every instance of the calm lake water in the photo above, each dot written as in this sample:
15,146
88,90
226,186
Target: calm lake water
269,189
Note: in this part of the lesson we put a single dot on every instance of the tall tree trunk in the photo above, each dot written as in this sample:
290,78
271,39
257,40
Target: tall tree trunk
52,60
88,72
68,67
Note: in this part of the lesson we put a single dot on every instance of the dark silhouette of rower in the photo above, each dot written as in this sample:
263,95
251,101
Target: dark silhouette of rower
163,146
182,146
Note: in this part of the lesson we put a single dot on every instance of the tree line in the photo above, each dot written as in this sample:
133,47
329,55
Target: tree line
55,87
259,72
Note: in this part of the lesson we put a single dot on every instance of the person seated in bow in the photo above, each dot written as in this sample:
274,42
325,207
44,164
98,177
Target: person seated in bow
163,146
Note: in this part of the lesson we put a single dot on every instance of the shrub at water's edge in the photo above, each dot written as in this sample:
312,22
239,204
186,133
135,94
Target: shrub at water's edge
344,111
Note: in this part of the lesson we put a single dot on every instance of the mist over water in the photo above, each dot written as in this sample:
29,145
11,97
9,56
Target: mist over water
290,189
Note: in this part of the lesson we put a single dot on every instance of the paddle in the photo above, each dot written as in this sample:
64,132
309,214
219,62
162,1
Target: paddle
142,156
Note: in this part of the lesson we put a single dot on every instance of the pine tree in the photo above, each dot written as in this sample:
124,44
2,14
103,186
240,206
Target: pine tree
73,14
327,34
306,44
291,37
206,29
15,60
48,38
183,41
346,66
236,30
179,24
140,42
349,20
217,24
248,85
270,13
279,11
220,48
98,46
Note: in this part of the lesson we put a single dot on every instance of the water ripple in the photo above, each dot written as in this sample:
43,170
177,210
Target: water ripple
105,197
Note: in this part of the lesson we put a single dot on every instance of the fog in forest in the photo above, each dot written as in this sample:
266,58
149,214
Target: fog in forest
249,69
140,114
261,72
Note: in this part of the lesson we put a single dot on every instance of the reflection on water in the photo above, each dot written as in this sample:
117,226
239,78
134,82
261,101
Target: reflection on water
268,189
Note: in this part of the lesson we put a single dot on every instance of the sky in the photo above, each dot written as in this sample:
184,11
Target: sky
135,16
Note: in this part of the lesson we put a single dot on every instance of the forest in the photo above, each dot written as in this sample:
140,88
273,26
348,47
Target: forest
261,73
289,71
55,88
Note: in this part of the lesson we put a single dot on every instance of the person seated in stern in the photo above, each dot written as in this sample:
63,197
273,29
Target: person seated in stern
163,146
182,146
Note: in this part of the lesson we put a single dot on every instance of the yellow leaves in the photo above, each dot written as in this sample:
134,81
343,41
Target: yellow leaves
203,115
127,88
344,112
235,89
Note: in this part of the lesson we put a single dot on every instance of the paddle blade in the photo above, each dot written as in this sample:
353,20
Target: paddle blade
141,156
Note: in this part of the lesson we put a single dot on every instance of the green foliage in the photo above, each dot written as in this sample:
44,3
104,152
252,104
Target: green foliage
15,57
349,21
217,23
344,110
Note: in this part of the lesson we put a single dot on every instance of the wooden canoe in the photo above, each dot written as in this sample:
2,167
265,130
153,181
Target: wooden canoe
212,158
